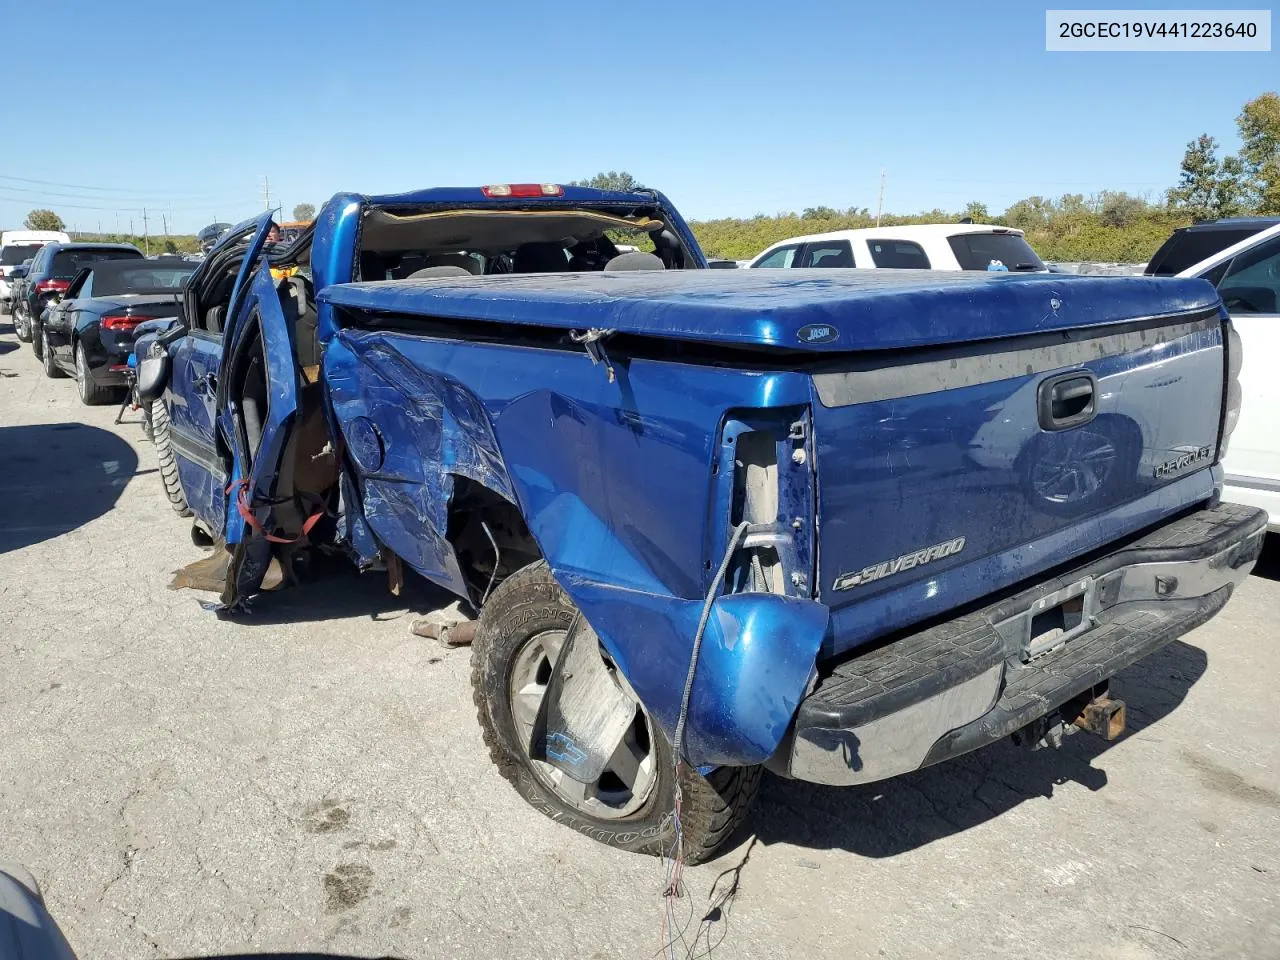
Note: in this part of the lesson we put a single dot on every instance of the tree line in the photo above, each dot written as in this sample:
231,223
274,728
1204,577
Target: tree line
1110,226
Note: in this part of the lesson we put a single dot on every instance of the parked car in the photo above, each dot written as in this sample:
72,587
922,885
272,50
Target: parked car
928,246
1188,246
18,282
723,520
210,235
89,332
1247,276
49,276
17,246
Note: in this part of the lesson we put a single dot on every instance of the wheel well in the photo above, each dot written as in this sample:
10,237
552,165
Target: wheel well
477,513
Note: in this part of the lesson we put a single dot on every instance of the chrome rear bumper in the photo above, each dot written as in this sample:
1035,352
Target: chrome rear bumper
959,685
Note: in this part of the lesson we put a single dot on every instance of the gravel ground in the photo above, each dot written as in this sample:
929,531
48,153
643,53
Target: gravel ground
315,780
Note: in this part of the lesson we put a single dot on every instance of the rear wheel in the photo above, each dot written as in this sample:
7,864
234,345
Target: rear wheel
91,392
22,323
35,333
51,369
520,632
168,463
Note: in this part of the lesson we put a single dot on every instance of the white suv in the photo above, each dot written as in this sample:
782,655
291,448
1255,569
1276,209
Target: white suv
923,246
1247,275
17,246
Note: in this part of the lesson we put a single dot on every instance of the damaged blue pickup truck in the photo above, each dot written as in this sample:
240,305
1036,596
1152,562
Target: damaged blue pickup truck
836,524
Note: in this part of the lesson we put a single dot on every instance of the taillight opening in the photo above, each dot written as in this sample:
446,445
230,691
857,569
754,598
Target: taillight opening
763,477
1232,395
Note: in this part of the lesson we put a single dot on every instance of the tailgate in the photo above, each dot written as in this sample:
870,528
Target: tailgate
1005,457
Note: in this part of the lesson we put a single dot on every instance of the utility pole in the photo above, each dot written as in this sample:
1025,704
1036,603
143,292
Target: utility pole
131,234
880,201
146,234
117,223
165,220
266,192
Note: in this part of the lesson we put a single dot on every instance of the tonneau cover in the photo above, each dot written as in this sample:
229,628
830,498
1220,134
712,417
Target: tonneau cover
820,310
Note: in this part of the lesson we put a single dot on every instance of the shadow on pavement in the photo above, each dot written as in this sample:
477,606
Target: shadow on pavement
7,347
335,589
905,813
55,477
1268,565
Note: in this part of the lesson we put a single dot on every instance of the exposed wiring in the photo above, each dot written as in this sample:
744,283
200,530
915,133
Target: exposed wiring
738,533
674,860
497,559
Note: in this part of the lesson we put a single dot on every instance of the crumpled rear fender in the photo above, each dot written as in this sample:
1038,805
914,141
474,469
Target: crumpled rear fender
615,482
755,664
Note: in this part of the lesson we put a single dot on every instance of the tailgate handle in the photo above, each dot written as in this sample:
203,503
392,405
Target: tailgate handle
1068,400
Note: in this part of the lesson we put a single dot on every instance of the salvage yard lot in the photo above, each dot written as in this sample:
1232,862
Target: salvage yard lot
313,779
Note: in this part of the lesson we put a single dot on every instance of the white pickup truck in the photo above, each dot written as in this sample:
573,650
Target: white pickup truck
919,246
1247,275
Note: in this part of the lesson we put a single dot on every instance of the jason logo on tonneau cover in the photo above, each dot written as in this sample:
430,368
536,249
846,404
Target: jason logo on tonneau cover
1180,463
908,561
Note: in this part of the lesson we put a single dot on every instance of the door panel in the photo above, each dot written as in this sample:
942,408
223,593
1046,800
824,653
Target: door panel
258,401
195,363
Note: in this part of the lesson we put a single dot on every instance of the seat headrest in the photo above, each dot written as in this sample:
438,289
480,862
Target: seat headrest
467,263
427,272
634,261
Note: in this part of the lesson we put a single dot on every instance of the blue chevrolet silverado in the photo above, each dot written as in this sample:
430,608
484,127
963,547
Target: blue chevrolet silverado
837,524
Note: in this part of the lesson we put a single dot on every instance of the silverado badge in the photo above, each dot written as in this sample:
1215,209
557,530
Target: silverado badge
887,568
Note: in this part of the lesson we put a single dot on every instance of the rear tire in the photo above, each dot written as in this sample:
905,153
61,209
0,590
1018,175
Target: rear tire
525,607
35,333
92,393
165,458
22,323
51,369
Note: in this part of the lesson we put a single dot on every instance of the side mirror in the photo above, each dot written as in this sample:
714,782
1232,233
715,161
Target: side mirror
153,375
17,273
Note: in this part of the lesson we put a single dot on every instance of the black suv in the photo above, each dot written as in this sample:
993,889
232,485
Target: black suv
49,276
1189,245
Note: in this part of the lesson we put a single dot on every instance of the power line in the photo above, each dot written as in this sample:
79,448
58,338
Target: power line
83,186
213,198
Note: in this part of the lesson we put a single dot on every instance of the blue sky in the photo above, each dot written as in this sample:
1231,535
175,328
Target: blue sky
730,108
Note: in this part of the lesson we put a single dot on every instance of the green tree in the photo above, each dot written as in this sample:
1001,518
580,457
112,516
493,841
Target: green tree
304,211
613,180
819,213
43,220
977,212
1199,181
1119,209
170,247
1259,125
1029,214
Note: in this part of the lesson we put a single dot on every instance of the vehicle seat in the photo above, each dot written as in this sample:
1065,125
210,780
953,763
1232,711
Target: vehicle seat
300,310
625,262
407,265
213,320
542,257
467,263
427,273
